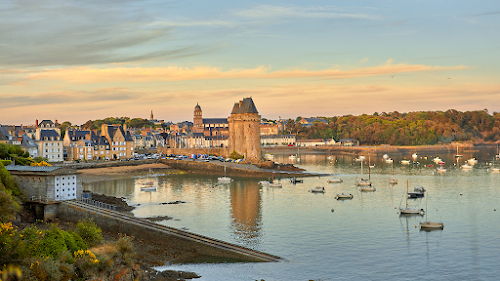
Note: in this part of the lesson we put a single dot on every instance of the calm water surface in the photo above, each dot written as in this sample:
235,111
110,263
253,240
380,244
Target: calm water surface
324,239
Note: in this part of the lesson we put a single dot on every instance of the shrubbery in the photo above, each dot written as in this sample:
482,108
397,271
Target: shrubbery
235,155
90,232
55,254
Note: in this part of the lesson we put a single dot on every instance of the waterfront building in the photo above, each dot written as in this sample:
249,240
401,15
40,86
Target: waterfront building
45,186
119,139
277,140
268,128
315,142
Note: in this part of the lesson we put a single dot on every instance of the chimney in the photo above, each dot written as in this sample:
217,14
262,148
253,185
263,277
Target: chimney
241,103
36,123
125,128
56,123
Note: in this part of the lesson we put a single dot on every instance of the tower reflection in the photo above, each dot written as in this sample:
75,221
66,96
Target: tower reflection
245,200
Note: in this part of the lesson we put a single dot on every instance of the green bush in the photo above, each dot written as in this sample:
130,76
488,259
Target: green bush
235,155
125,249
6,162
90,232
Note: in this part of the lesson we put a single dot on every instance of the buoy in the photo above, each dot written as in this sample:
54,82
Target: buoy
415,226
395,207
333,210
461,193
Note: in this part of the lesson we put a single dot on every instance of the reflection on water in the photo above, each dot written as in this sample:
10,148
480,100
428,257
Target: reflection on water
245,211
321,237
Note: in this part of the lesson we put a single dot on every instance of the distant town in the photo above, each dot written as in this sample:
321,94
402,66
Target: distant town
124,138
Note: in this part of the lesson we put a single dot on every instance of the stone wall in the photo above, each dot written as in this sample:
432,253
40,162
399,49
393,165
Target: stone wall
244,135
170,243
218,151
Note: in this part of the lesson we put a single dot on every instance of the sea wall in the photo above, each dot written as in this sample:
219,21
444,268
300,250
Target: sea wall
207,168
218,151
171,245
374,150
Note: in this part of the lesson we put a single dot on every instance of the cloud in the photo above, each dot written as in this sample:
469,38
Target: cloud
71,32
87,75
269,11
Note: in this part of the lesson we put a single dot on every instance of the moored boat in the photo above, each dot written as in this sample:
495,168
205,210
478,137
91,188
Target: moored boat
318,189
341,196
335,180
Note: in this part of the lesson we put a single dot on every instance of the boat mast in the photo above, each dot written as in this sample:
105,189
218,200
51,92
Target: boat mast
406,193
369,164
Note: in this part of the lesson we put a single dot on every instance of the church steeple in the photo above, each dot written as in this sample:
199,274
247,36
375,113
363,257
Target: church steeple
197,120
151,117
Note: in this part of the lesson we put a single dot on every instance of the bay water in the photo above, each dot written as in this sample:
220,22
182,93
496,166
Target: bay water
322,238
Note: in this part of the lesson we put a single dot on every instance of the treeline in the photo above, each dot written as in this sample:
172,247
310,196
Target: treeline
413,128
131,123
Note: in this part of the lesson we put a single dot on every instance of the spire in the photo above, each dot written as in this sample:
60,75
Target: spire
151,117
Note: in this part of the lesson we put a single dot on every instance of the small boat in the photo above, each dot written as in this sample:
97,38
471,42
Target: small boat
364,182
437,160
150,185
410,211
385,156
441,169
495,170
389,160
318,189
414,155
405,162
441,163
419,188
466,166
342,196
295,180
418,192
330,157
334,180
269,156
392,180
264,183
148,188
367,188
472,161
275,184
224,179
292,157
428,225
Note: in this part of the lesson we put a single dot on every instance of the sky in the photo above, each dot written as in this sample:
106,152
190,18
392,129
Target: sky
72,60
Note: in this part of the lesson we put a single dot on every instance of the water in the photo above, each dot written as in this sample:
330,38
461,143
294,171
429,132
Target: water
325,239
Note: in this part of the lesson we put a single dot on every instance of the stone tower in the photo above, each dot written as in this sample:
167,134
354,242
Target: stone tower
244,129
197,120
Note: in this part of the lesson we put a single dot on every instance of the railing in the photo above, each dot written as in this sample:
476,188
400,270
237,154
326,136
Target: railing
99,204
39,199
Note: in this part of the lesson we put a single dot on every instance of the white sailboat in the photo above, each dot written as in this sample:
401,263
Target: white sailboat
458,155
428,225
224,179
392,180
362,181
406,210
150,185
